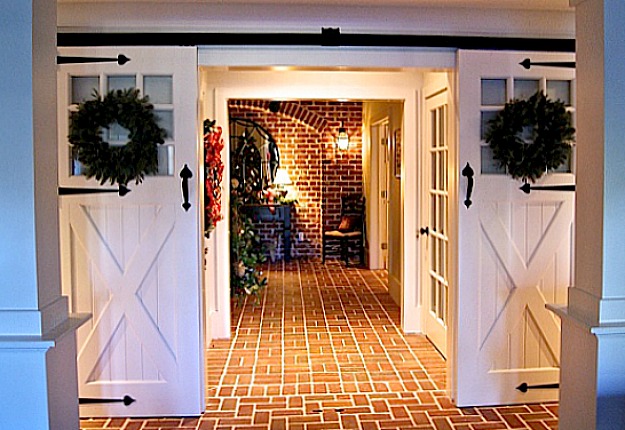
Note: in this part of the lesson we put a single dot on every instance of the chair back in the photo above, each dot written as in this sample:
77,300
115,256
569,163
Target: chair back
352,212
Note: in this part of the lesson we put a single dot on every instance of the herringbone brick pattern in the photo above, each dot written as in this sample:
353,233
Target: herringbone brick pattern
323,350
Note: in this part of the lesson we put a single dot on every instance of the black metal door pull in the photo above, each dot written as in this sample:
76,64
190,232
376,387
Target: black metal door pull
186,174
126,400
468,172
425,231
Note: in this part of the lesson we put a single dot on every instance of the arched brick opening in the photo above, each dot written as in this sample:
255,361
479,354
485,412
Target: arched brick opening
305,132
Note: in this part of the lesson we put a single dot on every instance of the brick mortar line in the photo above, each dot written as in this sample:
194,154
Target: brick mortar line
325,319
399,331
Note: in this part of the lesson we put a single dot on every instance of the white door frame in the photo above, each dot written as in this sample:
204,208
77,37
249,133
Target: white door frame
306,85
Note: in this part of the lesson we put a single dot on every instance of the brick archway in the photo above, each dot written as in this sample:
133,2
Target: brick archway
305,131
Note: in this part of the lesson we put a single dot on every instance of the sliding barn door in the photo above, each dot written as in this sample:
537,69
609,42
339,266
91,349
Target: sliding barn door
515,249
133,262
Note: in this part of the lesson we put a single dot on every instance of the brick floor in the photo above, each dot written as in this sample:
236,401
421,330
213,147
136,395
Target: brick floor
323,349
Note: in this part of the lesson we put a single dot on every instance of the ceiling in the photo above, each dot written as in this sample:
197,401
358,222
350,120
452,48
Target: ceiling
491,4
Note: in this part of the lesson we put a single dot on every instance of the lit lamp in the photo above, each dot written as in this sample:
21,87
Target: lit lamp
342,140
281,180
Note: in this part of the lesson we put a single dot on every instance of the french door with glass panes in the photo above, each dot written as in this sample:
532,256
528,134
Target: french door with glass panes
133,262
515,249
435,231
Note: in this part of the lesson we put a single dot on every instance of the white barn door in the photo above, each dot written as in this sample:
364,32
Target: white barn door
133,262
515,250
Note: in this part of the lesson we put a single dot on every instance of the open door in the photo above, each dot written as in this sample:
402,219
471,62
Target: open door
434,233
133,262
515,249
380,137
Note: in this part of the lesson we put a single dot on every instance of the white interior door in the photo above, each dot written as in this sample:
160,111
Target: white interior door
435,230
379,134
515,250
133,262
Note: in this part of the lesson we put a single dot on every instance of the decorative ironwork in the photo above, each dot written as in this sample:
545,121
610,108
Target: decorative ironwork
524,387
65,191
126,400
527,64
255,155
468,173
186,174
121,59
527,188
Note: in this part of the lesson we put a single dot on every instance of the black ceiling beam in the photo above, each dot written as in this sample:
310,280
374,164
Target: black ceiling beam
328,37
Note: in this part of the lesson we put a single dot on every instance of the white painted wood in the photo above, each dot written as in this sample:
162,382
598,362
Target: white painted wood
515,256
380,138
134,262
435,245
250,16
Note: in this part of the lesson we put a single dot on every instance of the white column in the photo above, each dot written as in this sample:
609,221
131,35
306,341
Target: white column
592,385
38,386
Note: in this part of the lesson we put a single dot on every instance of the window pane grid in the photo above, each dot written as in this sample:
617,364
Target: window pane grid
159,90
492,102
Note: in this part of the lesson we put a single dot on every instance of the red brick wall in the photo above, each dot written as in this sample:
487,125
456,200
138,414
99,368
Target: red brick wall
305,132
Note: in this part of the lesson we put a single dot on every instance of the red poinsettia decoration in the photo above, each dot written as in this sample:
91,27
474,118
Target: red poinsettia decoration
213,169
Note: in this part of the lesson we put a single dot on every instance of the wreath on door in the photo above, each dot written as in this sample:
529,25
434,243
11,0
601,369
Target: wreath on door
530,137
117,164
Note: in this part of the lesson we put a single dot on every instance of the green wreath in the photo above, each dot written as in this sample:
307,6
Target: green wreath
117,164
529,137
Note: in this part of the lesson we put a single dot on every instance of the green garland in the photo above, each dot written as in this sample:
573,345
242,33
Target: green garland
117,164
529,137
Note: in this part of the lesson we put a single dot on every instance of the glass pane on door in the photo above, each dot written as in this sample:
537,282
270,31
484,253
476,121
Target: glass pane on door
439,195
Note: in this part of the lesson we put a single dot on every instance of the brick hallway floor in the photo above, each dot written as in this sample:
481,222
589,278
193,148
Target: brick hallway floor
323,349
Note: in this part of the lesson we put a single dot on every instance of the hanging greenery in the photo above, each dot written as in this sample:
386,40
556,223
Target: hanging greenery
213,171
247,253
529,137
116,164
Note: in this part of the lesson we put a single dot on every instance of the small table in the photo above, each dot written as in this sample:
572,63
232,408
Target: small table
276,213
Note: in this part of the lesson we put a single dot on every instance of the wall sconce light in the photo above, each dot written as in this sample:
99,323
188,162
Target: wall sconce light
342,140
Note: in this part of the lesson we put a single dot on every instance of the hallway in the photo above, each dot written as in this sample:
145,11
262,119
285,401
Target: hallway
323,350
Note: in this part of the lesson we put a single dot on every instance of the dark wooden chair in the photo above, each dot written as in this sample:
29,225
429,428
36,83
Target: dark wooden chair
350,233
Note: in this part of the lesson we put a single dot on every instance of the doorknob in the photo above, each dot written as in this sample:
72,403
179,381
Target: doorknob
425,231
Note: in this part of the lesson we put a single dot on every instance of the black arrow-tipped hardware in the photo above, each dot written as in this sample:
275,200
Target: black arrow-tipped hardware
527,64
120,59
126,400
527,188
524,387
65,191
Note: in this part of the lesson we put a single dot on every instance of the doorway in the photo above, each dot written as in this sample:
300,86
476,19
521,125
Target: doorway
219,87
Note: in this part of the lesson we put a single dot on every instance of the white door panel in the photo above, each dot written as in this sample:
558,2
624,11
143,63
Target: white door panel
133,262
435,243
515,251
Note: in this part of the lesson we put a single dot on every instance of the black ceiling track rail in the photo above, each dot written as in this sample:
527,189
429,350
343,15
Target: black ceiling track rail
327,37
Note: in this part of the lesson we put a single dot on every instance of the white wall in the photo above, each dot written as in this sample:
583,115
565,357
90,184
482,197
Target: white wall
242,17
